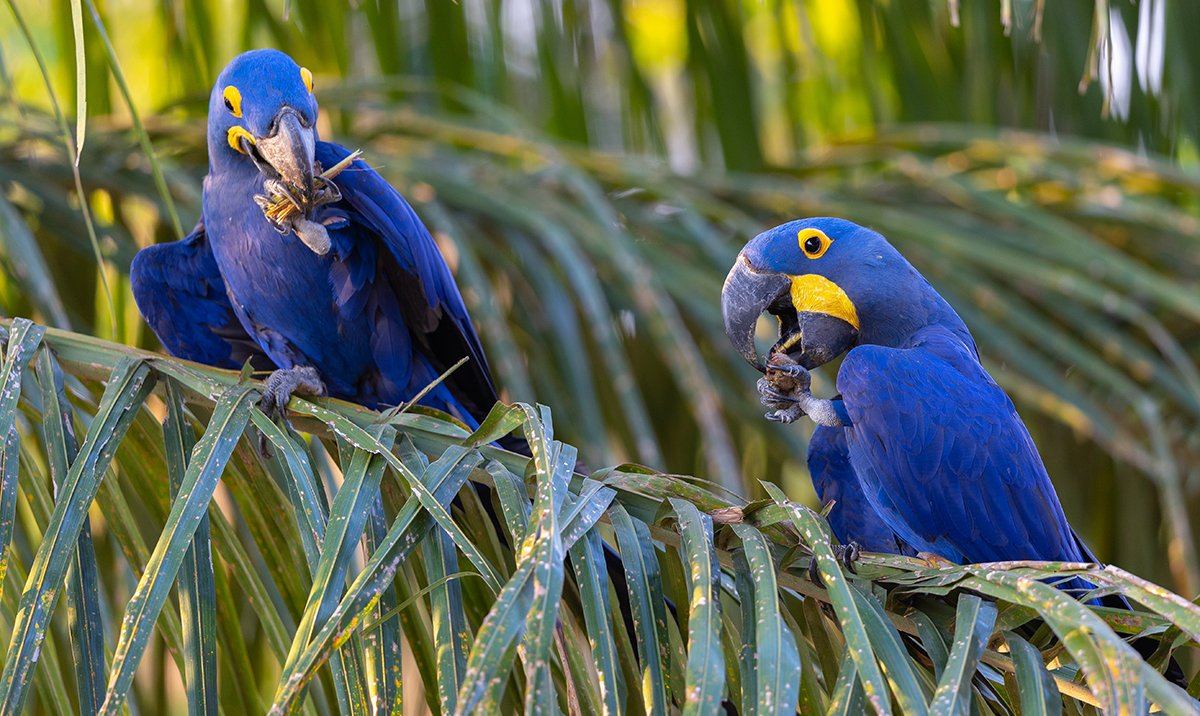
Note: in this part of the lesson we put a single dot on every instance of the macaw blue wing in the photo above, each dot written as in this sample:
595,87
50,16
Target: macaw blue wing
179,290
424,309
945,459
852,517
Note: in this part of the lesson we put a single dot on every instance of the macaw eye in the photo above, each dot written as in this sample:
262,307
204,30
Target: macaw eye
306,75
233,100
814,243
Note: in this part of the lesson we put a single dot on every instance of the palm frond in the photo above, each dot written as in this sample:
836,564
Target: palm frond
898,635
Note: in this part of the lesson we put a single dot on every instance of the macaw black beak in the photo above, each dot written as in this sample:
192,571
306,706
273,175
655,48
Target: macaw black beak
746,294
290,151
814,338
810,337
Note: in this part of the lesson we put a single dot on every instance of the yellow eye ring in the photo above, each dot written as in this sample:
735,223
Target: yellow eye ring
813,242
233,100
306,75
236,134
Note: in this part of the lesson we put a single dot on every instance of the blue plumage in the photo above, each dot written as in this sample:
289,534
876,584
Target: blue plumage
377,315
851,516
944,457
922,442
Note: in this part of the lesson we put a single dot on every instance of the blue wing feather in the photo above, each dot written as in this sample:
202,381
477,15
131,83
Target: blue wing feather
943,456
179,290
423,310
852,517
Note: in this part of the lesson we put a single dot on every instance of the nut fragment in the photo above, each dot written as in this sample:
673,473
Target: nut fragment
280,208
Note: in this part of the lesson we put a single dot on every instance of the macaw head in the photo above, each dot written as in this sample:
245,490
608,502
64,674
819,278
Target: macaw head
262,112
827,281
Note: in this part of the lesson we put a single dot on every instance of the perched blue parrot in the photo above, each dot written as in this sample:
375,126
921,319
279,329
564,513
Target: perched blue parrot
922,450
933,443
349,296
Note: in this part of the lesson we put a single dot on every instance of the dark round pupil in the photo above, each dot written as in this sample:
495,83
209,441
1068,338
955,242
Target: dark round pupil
812,245
228,104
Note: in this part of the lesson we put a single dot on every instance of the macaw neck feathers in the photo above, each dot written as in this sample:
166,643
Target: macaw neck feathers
896,315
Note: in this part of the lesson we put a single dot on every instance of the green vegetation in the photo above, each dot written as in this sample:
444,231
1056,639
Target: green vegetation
590,169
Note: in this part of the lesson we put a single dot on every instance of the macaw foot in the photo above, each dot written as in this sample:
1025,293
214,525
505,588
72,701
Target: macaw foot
788,407
278,188
315,234
784,407
282,384
787,375
934,561
788,369
278,390
785,416
771,396
325,192
847,554
295,219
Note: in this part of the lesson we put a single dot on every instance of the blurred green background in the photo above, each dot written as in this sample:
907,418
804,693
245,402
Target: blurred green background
591,168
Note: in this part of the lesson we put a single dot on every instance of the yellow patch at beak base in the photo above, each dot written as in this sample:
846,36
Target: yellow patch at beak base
816,294
237,132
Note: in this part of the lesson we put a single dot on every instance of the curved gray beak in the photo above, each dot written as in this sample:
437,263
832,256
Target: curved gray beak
290,150
745,296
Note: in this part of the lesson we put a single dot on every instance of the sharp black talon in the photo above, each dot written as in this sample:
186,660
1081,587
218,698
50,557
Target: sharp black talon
773,404
267,403
814,574
852,555
781,397
329,194
791,370
264,446
277,409
848,554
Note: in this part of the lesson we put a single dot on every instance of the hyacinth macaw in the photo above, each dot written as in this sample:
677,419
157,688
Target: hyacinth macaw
922,450
921,441
351,298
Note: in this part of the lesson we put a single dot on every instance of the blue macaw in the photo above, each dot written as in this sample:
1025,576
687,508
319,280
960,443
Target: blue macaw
935,445
922,450
349,297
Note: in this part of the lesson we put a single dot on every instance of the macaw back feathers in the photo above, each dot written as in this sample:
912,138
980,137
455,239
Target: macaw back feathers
427,301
